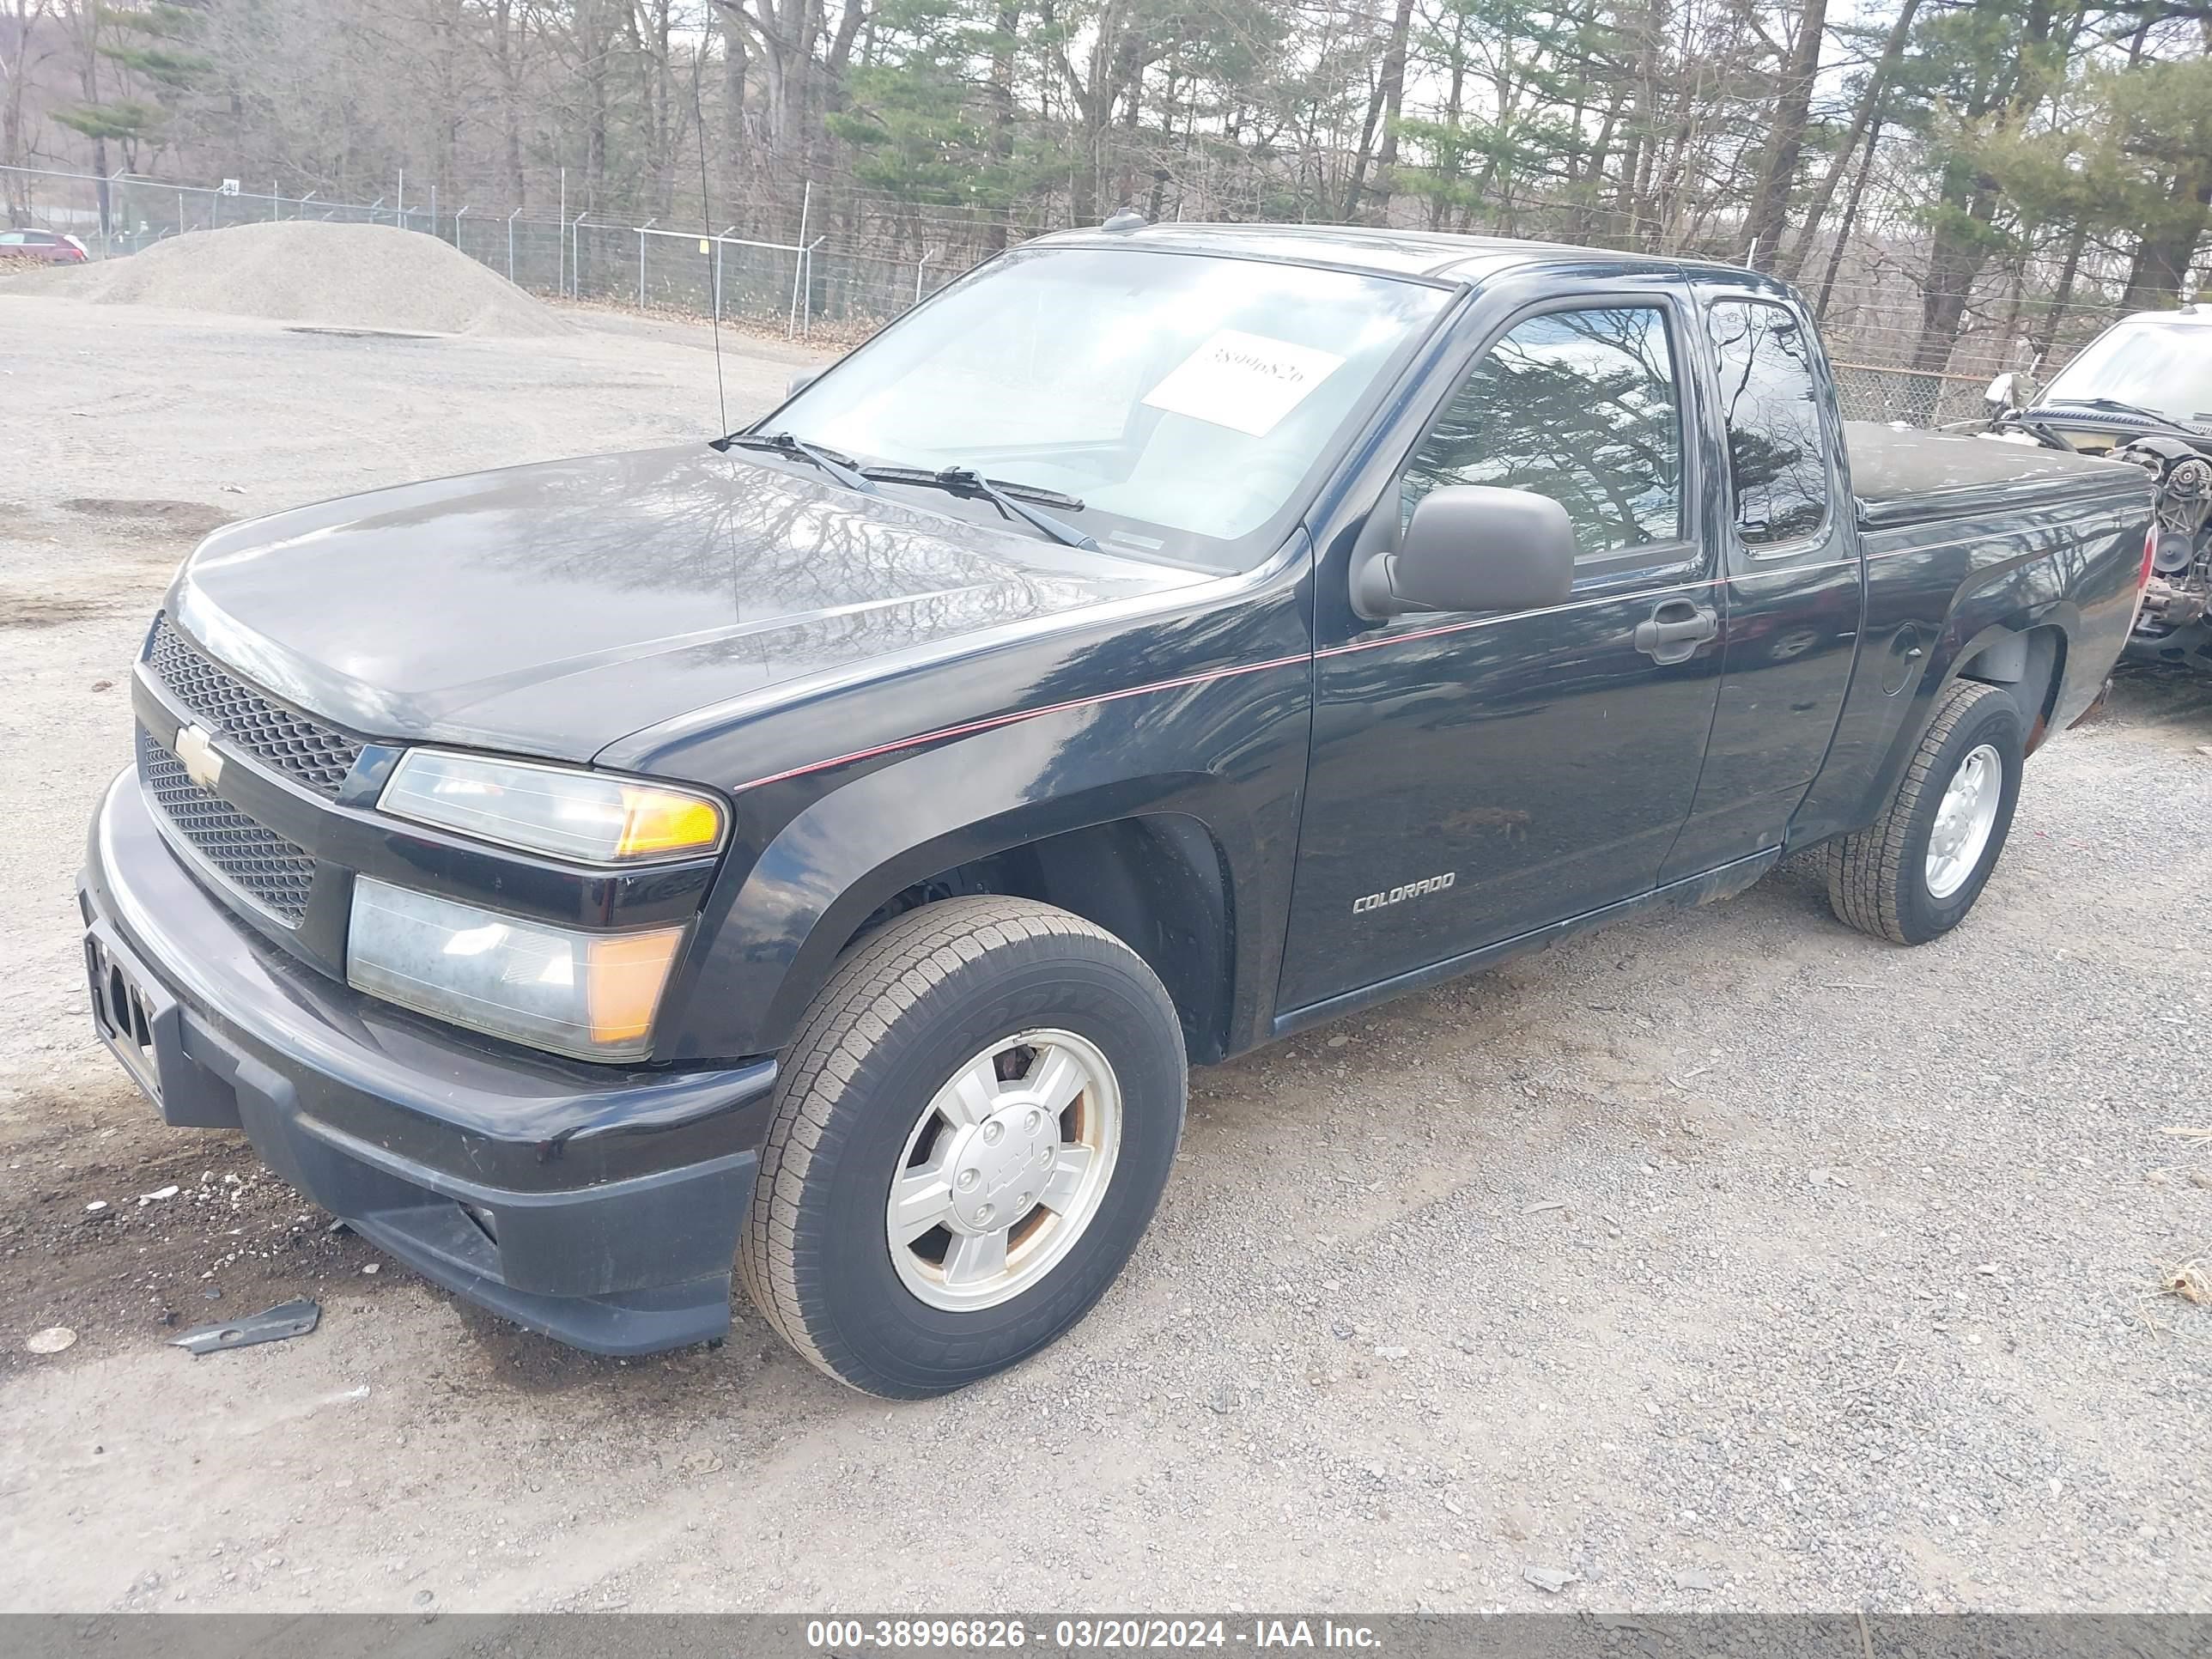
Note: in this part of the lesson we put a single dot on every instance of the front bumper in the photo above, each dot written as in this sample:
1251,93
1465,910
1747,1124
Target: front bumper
599,1206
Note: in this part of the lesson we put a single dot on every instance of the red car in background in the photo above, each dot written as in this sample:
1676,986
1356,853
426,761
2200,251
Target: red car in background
46,247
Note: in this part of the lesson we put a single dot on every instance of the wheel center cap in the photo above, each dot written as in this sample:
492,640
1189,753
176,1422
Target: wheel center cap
999,1167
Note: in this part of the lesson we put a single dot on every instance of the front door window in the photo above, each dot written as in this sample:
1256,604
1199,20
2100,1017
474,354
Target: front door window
1583,406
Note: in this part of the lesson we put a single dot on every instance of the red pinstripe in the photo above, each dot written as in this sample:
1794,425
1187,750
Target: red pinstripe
995,721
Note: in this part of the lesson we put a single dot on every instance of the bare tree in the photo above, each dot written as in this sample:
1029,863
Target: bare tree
22,45
1769,215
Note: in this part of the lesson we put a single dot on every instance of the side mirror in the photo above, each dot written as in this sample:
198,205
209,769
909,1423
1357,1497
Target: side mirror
804,379
1470,547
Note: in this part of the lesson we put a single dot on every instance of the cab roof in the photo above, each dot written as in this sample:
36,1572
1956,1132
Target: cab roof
1435,256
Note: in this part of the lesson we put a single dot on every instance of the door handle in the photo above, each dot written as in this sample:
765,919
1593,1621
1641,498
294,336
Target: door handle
1673,632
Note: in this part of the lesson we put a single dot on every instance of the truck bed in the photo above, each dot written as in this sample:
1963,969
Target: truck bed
1904,476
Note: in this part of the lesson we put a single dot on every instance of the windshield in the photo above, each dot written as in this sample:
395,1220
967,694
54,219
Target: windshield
1182,400
2166,368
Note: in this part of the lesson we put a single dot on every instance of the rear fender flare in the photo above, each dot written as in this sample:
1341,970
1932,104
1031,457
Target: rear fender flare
2005,654
1983,617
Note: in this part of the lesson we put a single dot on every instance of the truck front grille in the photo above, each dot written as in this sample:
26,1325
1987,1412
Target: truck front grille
261,865
301,748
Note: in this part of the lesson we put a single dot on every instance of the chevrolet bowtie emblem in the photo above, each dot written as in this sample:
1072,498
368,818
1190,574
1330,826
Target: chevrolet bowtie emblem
195,749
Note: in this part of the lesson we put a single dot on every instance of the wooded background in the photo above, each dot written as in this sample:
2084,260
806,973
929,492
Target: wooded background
1958,185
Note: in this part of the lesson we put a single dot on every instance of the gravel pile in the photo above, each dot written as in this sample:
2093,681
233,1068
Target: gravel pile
365,277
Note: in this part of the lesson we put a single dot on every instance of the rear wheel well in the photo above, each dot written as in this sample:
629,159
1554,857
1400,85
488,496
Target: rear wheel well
2029,666
1157,883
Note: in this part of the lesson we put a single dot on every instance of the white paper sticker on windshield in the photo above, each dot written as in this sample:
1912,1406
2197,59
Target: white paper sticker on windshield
1246,382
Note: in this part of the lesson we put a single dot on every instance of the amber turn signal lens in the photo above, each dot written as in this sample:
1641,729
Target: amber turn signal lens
659,821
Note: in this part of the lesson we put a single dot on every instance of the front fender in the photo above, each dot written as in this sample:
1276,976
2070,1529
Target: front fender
1228,752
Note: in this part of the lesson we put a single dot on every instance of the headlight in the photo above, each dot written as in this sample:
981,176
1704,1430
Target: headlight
589,994
588,816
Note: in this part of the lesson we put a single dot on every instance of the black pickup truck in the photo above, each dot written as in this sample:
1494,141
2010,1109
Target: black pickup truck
820,853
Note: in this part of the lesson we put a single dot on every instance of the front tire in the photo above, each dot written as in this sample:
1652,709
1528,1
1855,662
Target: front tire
1915,873
972,1127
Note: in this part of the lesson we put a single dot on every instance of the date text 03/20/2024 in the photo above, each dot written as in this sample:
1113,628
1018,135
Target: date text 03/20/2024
831,1635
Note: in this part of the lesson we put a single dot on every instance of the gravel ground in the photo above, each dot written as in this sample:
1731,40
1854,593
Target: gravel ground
1726,1259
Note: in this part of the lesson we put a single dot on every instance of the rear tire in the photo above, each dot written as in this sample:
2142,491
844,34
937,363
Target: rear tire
1915,873
974,1061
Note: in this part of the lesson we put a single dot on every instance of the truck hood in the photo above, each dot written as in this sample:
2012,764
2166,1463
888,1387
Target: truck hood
550,610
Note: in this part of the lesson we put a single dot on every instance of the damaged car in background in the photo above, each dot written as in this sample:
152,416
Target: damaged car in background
2141,392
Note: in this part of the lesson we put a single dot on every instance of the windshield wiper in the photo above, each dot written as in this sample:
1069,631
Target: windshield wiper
1003,493
2112,403
783,443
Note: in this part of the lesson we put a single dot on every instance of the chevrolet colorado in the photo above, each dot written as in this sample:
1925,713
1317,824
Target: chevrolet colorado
820,852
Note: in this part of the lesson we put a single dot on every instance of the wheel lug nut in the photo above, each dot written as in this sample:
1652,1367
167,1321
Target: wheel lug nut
968,1180
991,1133
983,1214
1035,1121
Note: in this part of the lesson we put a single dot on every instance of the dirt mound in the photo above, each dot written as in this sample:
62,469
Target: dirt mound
352,276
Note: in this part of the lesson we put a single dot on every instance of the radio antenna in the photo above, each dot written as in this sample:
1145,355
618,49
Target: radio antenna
714,288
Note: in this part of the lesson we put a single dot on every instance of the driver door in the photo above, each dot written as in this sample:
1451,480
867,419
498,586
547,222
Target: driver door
1475,778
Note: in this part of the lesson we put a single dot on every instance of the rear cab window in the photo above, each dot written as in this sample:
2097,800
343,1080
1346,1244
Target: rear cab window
1770,399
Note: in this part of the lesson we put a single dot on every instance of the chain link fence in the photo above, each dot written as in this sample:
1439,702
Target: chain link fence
843,264
1869,392
806,287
